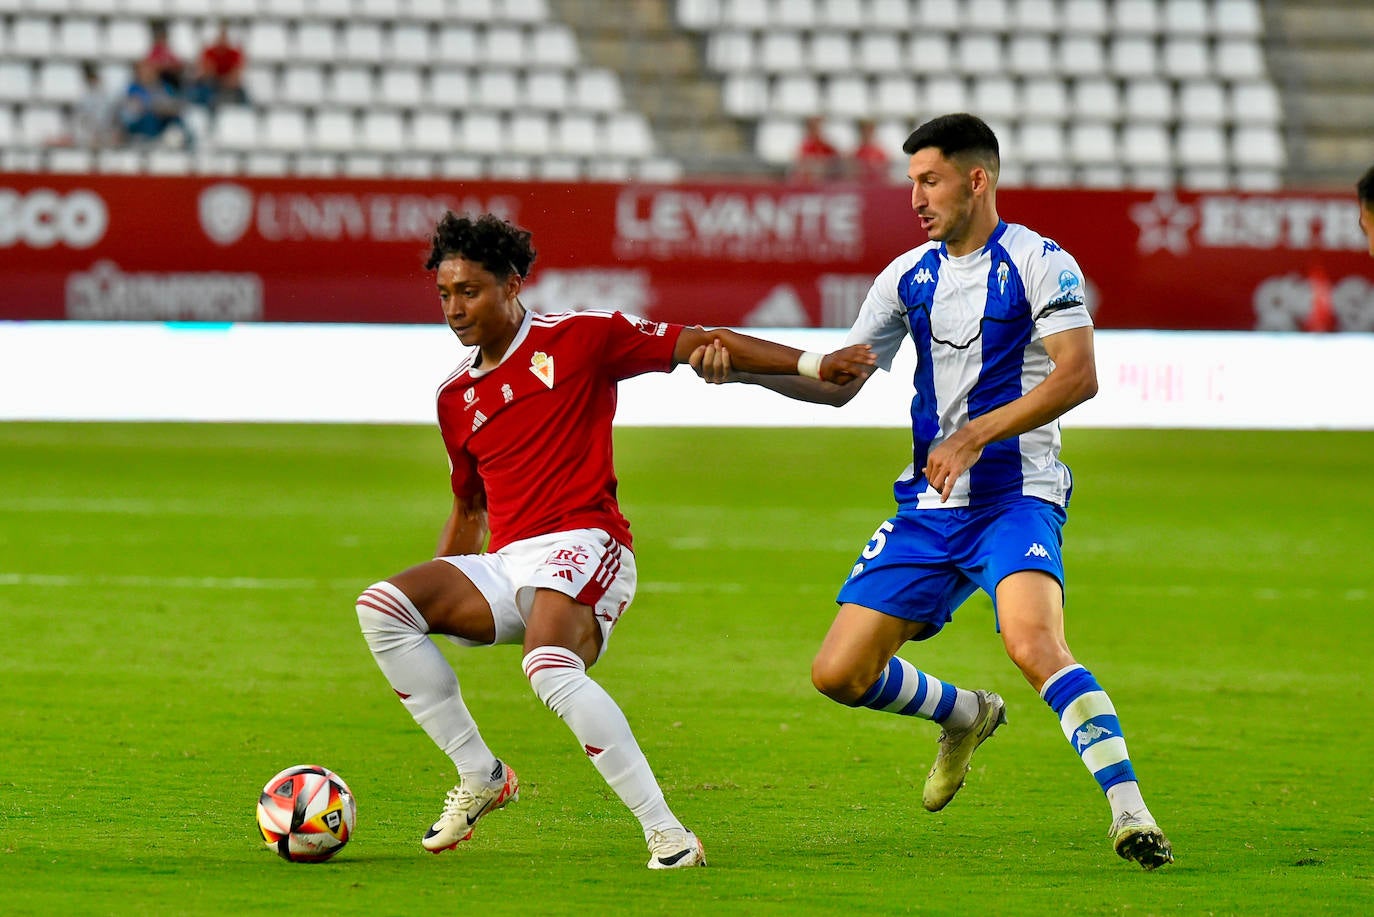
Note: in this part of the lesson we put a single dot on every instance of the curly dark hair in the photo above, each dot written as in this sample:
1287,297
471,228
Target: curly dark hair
500,247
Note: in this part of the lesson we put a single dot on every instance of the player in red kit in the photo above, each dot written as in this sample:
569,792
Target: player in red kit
526,419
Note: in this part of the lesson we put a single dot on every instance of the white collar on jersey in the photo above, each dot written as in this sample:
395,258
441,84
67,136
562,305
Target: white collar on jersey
514,344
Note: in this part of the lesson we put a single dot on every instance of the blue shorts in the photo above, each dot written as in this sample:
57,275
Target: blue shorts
923,564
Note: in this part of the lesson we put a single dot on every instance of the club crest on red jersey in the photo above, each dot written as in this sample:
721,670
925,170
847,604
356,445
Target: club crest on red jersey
541,364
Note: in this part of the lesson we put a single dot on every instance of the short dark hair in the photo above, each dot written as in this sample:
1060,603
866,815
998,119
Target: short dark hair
957,136
500,247
1365,187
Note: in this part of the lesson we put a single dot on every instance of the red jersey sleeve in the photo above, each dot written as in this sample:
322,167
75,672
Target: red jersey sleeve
636,345
462,474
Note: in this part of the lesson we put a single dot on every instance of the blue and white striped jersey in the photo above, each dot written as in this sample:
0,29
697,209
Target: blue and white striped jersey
978,323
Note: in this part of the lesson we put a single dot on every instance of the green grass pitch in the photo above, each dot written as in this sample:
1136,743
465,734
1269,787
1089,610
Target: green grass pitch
176,604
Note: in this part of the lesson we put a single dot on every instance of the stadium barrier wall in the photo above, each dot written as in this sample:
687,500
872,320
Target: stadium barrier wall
349,373
192,248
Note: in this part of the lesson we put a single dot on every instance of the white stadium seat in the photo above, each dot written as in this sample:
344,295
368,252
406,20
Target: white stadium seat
432,131
880,52
546,90
1187,58
1135,17
1149,101
1146,145
401,88
382,131
1254,103
1045,99
334,129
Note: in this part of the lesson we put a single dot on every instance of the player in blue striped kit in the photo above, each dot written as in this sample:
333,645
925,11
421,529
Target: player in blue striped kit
1004,346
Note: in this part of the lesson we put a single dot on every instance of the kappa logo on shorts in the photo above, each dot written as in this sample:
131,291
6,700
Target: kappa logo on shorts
541,364
1037,550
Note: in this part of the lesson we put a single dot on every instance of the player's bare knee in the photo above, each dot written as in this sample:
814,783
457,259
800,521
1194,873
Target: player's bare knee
837,682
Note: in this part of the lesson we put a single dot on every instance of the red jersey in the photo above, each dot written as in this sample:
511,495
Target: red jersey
534,432
220,60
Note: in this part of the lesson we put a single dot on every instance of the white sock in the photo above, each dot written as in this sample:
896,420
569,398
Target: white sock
398,636
560,680
1125,797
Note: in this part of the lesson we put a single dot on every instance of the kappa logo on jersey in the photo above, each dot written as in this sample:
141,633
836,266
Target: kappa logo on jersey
924,276
541,364
1003,272
1036,550
478,418
1049,246
507,394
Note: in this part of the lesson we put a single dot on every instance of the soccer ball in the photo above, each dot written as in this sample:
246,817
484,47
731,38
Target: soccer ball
306,813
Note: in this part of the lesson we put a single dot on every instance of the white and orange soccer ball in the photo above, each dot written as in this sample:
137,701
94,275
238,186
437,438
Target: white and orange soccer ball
306,813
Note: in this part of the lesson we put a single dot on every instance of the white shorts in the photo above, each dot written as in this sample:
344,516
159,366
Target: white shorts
586,564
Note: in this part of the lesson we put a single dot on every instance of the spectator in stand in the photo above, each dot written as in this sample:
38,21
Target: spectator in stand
165,63
869,163
150,107
817,159
94,121
219,73
1365,192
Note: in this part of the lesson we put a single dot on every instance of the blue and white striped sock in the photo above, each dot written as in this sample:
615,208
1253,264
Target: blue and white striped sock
1090,724
905,690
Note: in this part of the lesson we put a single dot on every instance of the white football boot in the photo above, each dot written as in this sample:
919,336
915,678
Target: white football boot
956,750
675,849
463,806
1138,838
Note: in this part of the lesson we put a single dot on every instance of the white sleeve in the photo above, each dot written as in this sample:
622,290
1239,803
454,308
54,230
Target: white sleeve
1056,291
881,322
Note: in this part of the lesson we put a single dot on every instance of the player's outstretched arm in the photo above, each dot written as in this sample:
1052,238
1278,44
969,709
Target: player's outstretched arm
465,532
712,362
755,355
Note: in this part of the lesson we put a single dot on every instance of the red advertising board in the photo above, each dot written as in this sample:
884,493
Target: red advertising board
107,247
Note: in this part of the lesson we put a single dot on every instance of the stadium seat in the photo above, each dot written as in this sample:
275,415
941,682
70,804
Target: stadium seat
845,15
1237,19
1040,142
1135,17
1093,143
431,131
334,129
429,11
781,52
1201,102
930,53
482,132
558,169
16,81
497,89
1200,145
41,125
362,42
314,41
628,134
796,94
546,90
1187,58
525,11
269,41
776,140
164,161
1205,178
1187,18
1132,56
1257,146
935,15
881,53
554,46
1030,55
79,38
70,160
448,89
996,97
459,43
1239,59
236,129
400,88
1095,99
350,87
979,54
335,10
597,89
846,97
59,81
1034,16
944,94
382,131
1045,99
530,133
379,10
731,52
32,37
744,95
1149,101
283,129
658,169
126,39
576,134
408,44
896,96
1081,55
830,52
1144,145
798,15
1254,103
745,14
119,161
302,84
1085,17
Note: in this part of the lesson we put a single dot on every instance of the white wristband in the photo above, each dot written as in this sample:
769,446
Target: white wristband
809,365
